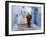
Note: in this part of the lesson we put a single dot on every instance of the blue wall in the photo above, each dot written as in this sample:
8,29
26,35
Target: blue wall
36,15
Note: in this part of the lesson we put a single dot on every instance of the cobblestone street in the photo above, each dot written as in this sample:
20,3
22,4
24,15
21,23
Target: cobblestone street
24,27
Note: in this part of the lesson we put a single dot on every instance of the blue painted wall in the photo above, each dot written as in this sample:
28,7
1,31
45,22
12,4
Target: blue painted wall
36,15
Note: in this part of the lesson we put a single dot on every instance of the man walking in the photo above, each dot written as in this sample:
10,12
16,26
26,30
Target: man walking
29,18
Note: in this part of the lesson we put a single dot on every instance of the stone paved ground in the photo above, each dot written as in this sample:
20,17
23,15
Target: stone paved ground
24,27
